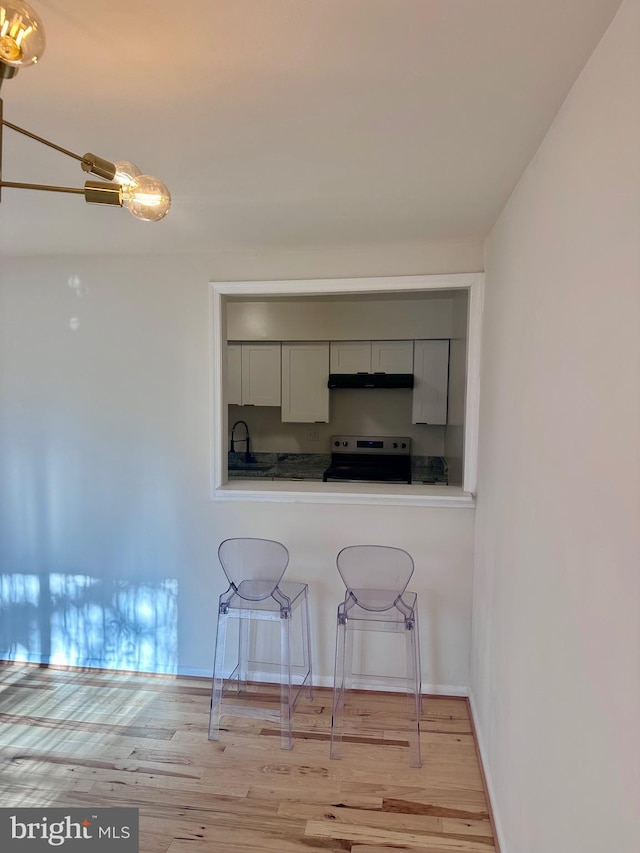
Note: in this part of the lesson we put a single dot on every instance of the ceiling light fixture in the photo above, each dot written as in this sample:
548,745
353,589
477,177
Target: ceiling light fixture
22,43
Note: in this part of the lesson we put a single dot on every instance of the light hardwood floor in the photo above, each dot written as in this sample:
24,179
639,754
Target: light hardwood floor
79,738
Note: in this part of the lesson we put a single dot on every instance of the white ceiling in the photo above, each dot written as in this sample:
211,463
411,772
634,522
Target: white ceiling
285,124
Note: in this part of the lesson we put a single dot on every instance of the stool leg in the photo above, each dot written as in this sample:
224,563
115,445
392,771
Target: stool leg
419,661
218,677
306,645
344,650
413,693
286,739
243,651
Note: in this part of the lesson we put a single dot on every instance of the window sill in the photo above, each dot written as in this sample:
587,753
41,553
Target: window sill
307,491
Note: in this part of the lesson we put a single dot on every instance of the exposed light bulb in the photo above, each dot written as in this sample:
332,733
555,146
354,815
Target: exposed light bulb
147,198
126,173
22,39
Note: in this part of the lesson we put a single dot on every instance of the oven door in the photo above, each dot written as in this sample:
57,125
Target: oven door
370,470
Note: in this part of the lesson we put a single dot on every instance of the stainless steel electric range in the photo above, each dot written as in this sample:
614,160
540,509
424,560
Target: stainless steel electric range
372,458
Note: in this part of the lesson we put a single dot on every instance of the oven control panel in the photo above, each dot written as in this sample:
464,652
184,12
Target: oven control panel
372,444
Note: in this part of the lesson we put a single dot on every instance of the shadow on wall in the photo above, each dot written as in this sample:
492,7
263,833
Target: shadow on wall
88,534
76,620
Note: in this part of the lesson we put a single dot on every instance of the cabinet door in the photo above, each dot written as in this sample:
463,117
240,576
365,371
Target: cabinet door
392,356
234,374
261,375
350,357
305,373
431,377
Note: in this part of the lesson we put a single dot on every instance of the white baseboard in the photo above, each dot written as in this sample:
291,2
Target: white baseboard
327,681
491,792
197,672
89,663
28,657
370,684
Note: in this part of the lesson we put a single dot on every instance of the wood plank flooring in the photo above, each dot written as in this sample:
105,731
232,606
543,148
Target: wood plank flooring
79,738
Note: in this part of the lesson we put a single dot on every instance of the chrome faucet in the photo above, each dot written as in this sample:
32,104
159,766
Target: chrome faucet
246,440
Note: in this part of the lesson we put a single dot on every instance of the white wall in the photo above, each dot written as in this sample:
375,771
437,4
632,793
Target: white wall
556,637
107,535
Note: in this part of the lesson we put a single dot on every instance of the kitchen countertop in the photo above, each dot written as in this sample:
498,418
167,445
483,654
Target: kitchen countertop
280,466
429,470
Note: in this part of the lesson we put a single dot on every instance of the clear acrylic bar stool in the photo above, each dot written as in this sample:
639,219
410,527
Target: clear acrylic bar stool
254,569
376,578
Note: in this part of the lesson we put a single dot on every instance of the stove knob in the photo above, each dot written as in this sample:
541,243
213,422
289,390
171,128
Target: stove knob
395,443
337,443
345,444
403,445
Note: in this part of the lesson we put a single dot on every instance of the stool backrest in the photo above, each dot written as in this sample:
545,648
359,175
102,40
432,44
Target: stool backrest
375,575
254,567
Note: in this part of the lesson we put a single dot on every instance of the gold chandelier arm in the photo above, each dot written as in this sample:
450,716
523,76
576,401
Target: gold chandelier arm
94,192
41,139
90,162
21,186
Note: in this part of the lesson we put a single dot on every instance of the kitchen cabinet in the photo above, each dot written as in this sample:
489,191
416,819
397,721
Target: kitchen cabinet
391,356
371,356
350,356
305,371
261,374
431,382
234,374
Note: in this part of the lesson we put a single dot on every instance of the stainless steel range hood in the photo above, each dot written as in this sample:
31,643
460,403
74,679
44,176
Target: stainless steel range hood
370,380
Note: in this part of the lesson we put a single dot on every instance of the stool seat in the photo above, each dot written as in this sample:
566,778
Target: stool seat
285,598
251,600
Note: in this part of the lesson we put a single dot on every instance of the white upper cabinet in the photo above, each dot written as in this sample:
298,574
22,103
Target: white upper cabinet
261,374
392,357
305,374
350,357
431,382
372,357
234,374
